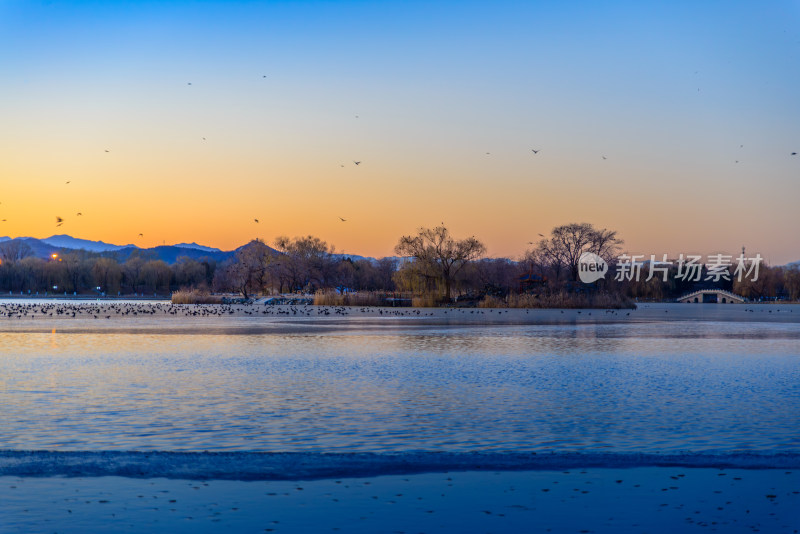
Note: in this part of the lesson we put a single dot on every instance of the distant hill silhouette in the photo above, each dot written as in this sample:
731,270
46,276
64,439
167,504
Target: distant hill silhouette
171,253
197,247
66,241
44,248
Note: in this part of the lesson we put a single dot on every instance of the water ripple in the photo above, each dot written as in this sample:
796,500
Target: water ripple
642,387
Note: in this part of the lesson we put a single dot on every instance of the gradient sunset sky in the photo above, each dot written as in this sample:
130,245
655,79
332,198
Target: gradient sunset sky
671,122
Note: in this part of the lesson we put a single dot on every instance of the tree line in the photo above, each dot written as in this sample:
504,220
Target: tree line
436,264
431,263
82,272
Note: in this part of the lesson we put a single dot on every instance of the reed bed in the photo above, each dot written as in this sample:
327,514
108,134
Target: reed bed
425,301
195,296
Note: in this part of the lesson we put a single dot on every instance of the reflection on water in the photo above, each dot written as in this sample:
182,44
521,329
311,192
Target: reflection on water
651,387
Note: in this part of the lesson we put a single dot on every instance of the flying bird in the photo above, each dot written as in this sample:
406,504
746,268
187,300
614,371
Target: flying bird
141,235
794,153
68,181
79,214
535,151
108,150
343,220
190,83
541,235
605,157
256,220
357,162
59,221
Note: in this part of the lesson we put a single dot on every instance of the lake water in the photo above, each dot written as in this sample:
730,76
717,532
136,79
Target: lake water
232,385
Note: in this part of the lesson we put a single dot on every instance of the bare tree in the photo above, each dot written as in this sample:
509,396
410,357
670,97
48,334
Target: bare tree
767,284
234,276
107,275
345,275
132,272
76,269
535,261
791,277
156,275
491,276
374,276
438,253
305,261
188,272
568,242
386,268
14,250
250,270
31,274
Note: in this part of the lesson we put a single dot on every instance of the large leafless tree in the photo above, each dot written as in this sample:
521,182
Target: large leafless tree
437,253
304,262
14,250
563,249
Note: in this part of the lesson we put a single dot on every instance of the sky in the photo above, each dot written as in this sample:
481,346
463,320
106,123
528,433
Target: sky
670,122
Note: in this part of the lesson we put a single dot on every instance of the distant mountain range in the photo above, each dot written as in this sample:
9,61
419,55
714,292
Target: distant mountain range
197,247
65,241
44,248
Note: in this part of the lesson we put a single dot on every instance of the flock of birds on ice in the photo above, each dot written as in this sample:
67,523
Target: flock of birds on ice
151,309
160,309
